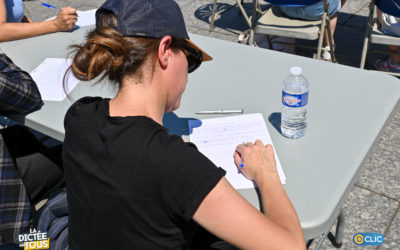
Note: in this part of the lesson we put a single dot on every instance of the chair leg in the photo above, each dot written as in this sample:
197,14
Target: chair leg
243,11
251,38
364,52
326,24
213,16
321,36
332,48
238,3
368,31
253,22
269,42
259,10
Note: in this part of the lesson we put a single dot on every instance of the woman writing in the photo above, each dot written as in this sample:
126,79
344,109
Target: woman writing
130,184
14,25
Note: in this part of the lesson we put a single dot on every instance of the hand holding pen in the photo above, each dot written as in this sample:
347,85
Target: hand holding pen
66,18
256,161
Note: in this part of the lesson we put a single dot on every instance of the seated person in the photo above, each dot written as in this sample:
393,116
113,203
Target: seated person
130,184
19,95
390,26
314,12
14,25
25,175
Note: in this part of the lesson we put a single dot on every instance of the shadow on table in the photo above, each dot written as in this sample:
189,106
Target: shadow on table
275,119
179,125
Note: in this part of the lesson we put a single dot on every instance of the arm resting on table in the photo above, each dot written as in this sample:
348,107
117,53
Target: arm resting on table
226,214
19,94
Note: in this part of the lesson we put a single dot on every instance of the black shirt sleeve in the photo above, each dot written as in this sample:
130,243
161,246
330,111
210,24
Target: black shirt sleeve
189,176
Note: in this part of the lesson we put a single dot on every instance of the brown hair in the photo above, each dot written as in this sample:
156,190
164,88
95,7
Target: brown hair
109,53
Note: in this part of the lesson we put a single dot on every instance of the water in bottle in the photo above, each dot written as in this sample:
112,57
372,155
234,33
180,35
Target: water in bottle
294,100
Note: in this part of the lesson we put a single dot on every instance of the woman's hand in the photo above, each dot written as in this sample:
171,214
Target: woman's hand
255,160
226,214
66,19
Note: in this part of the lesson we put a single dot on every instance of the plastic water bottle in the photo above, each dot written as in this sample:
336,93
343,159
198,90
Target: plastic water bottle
294,100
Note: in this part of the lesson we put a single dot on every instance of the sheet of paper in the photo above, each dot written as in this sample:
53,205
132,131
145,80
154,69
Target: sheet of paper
49,78
217,138
86,18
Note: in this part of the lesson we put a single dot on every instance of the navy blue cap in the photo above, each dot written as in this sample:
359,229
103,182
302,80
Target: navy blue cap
149,18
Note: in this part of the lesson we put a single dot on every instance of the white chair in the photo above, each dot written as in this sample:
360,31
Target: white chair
275,23
373,34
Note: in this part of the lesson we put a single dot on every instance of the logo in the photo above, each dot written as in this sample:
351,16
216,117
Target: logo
295,101
291,100
365,239
34,240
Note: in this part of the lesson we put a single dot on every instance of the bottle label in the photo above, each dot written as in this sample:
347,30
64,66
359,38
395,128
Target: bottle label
294,101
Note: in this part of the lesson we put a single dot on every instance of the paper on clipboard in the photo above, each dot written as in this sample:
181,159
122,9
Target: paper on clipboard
217,139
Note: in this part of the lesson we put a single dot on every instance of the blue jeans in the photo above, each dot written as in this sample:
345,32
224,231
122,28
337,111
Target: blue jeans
312,11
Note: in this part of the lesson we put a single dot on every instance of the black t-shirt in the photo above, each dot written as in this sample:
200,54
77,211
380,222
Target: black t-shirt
130,184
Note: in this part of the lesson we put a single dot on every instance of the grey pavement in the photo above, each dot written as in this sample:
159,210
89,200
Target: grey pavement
374,203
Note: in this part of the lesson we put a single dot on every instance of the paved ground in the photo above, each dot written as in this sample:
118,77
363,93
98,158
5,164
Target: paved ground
374,203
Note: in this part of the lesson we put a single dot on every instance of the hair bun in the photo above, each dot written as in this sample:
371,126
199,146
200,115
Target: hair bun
103,51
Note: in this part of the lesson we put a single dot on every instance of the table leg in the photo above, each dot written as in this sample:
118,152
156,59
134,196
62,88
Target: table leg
321,240
339,230
337,242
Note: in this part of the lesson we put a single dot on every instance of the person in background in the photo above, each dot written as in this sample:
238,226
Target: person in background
390,26
29,170
18,95
314,12
132,185
14,25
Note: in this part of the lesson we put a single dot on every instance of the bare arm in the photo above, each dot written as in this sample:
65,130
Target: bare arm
64,21
225,213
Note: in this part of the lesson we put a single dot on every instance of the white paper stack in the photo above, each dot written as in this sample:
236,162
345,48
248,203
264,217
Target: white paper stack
217,138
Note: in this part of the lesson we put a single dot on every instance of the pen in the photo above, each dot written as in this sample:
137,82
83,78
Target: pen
241,161
48,5
226,111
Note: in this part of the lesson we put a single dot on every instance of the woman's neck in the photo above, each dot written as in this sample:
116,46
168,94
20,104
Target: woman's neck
135,99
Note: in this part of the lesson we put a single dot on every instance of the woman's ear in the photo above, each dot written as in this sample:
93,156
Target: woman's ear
164,51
